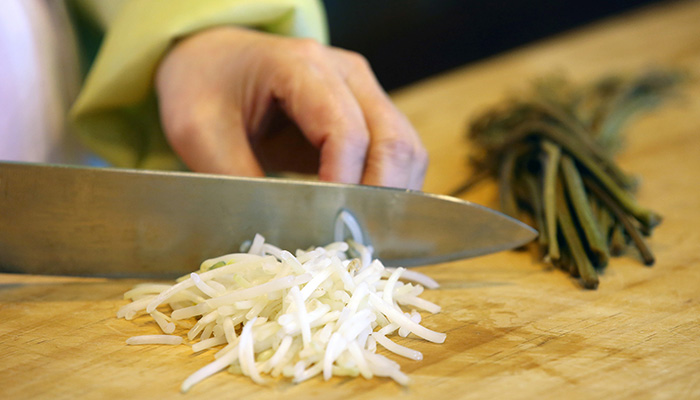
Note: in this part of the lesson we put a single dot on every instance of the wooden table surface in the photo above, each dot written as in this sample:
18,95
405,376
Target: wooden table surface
515,327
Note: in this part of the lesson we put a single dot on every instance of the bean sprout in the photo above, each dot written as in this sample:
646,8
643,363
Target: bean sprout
319,312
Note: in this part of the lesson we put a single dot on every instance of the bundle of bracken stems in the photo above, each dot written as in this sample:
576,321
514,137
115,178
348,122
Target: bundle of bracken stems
551,153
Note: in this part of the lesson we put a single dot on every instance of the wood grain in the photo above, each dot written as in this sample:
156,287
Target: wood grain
516,328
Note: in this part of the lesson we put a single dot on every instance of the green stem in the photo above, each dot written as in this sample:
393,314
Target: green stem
578,144
535,196
617,240
505,183
636,236
551,166
605,222
646,217
573,126
589,277
584,214
608,136
567,263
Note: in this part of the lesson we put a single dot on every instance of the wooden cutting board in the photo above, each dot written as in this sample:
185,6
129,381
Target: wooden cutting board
515,327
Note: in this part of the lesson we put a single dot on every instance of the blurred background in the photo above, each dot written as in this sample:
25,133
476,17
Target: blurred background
406,40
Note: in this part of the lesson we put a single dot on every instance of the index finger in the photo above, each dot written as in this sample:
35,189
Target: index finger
319,101
396,156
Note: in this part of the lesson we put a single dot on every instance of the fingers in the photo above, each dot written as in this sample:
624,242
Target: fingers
199,122
396,156
313,94
209,140
338,104
211,111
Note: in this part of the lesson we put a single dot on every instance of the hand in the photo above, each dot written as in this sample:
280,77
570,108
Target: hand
221,90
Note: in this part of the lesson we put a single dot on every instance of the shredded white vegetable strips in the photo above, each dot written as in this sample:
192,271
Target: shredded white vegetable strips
269,312
154,339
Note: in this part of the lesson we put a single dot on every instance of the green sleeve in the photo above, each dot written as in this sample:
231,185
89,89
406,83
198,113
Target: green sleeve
116,112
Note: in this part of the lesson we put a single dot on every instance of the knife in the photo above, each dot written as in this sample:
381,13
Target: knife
73,220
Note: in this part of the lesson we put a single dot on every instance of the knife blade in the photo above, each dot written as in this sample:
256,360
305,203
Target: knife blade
74,220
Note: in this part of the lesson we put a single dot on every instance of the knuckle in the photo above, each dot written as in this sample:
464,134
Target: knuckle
356,61
399,148
422,156
422,164
358,143
181,133
307,48
184,129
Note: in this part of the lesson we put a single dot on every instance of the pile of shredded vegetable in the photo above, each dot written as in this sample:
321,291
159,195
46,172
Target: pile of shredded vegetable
267,311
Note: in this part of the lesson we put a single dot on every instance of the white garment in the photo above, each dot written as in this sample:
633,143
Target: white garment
39,80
